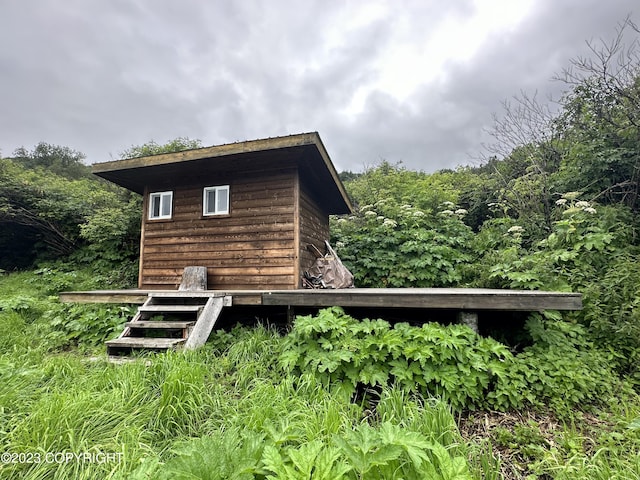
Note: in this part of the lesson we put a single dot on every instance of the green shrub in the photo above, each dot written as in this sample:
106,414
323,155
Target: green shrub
82,325
612,313
561,368
392,245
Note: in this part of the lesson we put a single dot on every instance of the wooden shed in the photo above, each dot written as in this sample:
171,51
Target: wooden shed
247,211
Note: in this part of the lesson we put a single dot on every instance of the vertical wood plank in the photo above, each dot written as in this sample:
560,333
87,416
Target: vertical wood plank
296,232
145,205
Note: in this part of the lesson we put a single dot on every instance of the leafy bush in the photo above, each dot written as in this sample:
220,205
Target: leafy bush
561,368
379,451
578,247
81,325
612,313
391,245
451,362
42,214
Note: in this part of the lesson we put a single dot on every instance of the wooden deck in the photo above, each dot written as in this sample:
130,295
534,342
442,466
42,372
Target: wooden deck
463,299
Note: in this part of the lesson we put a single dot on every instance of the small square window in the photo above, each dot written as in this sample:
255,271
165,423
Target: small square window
216,200
160,205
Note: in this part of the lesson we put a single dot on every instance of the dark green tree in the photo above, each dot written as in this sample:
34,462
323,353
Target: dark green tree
57,159
600,122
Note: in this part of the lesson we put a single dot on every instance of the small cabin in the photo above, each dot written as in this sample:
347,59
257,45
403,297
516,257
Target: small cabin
246,211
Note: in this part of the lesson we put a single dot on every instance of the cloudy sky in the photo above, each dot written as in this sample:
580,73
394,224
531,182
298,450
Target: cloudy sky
410,81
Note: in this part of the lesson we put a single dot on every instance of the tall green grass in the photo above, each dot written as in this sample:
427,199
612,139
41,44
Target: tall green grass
228,410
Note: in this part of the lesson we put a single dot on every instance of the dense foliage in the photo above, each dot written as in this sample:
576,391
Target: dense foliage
52,207
232,410
561,368
558,211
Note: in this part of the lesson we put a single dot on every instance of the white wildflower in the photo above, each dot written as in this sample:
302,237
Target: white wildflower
364,208
406,206
388,222
590,210
448,204
582,204
342,220
340,245
561,201
370,213
516,229
380,218
461,211
446,212
418,213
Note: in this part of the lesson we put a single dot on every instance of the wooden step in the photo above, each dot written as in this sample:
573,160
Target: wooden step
161,324
176,294
145,342
170,308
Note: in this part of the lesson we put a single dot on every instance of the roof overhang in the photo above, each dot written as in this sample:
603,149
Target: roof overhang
314,165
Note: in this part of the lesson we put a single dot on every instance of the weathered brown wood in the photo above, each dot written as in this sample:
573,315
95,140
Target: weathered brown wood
240,296
227,271
209,152
105,296
145,342
435,298
314,230
261,283
296,231
310,142
171,308
262,215
275,248
176,295
153,325
253,212
193,278
205,323
237,262
145,209
456,299
275,258
278,247
275,225
251,239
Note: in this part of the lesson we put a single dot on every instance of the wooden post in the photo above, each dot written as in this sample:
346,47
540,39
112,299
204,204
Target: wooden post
470,319
290,316
194,279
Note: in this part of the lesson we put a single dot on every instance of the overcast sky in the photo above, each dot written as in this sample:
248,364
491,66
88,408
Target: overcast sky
411,81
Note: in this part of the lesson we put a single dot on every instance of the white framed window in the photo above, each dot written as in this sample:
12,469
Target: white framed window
215,200
160,205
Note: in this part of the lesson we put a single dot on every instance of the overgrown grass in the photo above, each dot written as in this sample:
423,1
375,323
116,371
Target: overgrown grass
229,410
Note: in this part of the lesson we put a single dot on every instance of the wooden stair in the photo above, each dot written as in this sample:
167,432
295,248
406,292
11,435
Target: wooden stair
169,320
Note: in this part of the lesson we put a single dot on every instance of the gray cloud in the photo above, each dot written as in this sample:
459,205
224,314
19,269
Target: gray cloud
101,76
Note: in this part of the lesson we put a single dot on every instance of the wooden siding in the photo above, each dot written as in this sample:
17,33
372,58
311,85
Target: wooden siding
251,248
314,229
